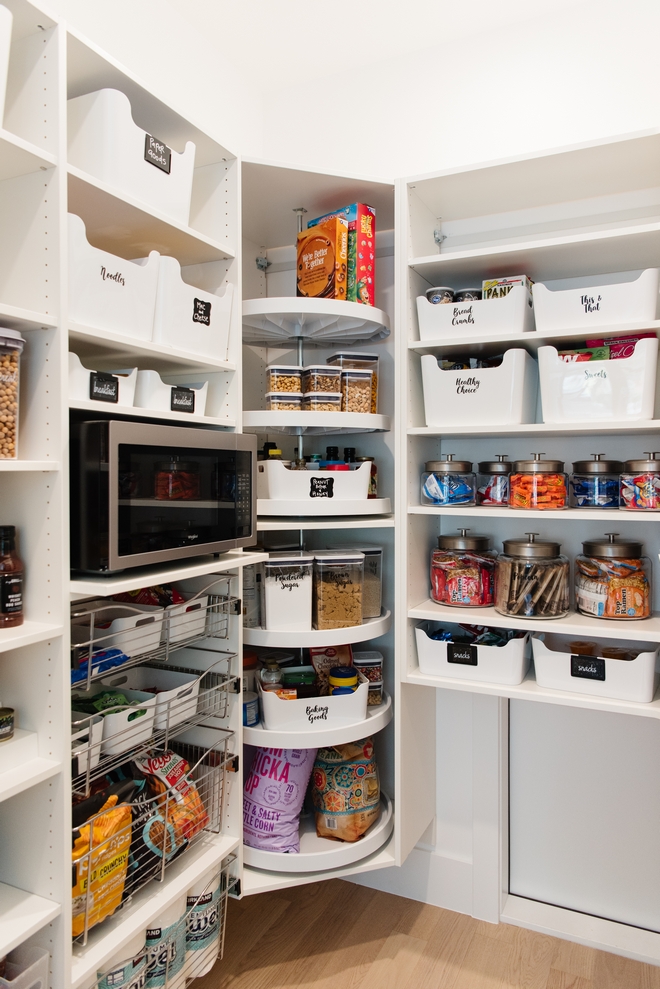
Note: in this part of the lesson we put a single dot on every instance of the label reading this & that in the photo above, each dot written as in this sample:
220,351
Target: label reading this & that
103,387
465,655
182,400
11,593
587,668
157,153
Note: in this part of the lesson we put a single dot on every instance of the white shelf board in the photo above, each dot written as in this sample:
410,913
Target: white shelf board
122,225
134,412
263,880
16,318
317,854
20,157
107,940
645,630
369,629
28,465
582,514
532,340
320,321
377,718
604,428
27,634
324,507
113,351
21,766
131,580
347,522
314,423
22,915
594,252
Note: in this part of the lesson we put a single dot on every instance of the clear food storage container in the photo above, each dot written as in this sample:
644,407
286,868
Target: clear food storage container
288,591
361,362
321,377
372,591
356,391
338,583
640,485
448,482
282,378
493,481
595,483
318,401
463,570
613,579
531,579
11,348
370,665
539,484
284,401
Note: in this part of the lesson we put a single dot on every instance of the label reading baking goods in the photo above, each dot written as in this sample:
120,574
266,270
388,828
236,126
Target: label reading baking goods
157,153
182,400
201,312
103,387
11,593
587,668
465,655
321,487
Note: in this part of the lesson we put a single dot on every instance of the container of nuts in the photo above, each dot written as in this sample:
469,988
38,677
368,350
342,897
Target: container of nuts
356,391
338,580
360,362
319,401
11,348
279,378
321,377
284,401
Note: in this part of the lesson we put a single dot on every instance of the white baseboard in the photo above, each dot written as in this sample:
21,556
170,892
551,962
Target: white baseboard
428,877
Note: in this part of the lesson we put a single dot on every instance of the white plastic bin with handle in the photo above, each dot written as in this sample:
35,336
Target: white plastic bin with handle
630,680
277,482
27,968
588,308
6,20
513,313
490,664
151,392
107,292
105,141
176,700
189,317
85,384
124,726
135,629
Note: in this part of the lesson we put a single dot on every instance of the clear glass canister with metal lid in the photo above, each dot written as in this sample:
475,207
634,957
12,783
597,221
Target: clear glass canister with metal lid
448,482
537,483
595,483
613,579
463,571
640,484
531,579
493,481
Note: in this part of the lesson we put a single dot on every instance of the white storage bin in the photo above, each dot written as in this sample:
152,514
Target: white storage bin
277,482
27,968
190,318
599,390
490,664
513,313
86,735
176,700
135,629
107,292
183,621
5,45
151,392
600,305
105,141
490,396
126,727
625,680
288,579
314,712
85,383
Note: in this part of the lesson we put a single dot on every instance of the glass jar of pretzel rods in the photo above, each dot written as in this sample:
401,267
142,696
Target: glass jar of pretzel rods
531,579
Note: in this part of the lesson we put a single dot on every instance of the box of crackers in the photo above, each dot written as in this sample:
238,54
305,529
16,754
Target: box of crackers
322,264
361,250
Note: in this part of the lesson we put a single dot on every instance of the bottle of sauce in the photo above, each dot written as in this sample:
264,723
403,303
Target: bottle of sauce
11,579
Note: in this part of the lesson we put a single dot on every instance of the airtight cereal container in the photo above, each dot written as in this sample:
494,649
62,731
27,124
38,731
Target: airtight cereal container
322,378
11,348
338,583
284,401
538,484
448,482
595,483
612,579
360,362
640,484
463,571
531,579
288,591
319,401
281,378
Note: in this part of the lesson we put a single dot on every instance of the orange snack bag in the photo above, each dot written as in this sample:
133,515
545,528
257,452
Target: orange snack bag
108,838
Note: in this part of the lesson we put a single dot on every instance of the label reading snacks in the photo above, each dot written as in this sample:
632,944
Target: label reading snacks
465,655
157,153
182,400
103,387
321,487
587,668
201,312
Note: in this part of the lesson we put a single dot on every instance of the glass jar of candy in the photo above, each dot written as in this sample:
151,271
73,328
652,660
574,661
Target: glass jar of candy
493,481
595,483
640,485
531,579
463,570
612,579
538,484
448,482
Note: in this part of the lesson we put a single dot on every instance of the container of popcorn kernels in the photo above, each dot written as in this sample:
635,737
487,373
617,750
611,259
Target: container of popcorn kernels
280,377
338,581
284,401
11,348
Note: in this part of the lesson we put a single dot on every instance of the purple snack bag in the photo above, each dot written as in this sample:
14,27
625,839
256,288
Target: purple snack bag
273,797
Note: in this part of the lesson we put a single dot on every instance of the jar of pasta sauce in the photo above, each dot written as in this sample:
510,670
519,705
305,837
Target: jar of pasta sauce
595,483
493,481
640,484
539,484
612,579
463,571
448,482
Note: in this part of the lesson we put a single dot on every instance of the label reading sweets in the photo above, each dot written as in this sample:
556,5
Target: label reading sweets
182,400
465,655
321,487
103,387
157,153
201,312
587,668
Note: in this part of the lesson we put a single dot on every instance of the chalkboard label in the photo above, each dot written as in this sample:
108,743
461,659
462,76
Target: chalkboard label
182,400
103,387
465,655
157,153
202,312
587,668
321,487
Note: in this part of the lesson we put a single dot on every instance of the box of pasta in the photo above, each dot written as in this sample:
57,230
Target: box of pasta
322,265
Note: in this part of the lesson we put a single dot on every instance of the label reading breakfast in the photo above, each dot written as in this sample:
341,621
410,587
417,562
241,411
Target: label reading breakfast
157,153
465,655
591,303
182,400
103,387
201,312
321,487
587,668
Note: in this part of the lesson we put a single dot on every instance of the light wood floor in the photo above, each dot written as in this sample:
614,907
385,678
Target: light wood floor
336,935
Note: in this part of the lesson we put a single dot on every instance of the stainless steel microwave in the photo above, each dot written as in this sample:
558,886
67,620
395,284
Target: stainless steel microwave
145,494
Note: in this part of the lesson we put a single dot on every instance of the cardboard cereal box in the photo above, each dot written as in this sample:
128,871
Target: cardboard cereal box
497,288
361,250
323,260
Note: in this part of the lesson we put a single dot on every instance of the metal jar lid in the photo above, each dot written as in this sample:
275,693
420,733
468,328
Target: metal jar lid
478,543
449,465
597,466
613,548
538,466
637,466
530,549
499,466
